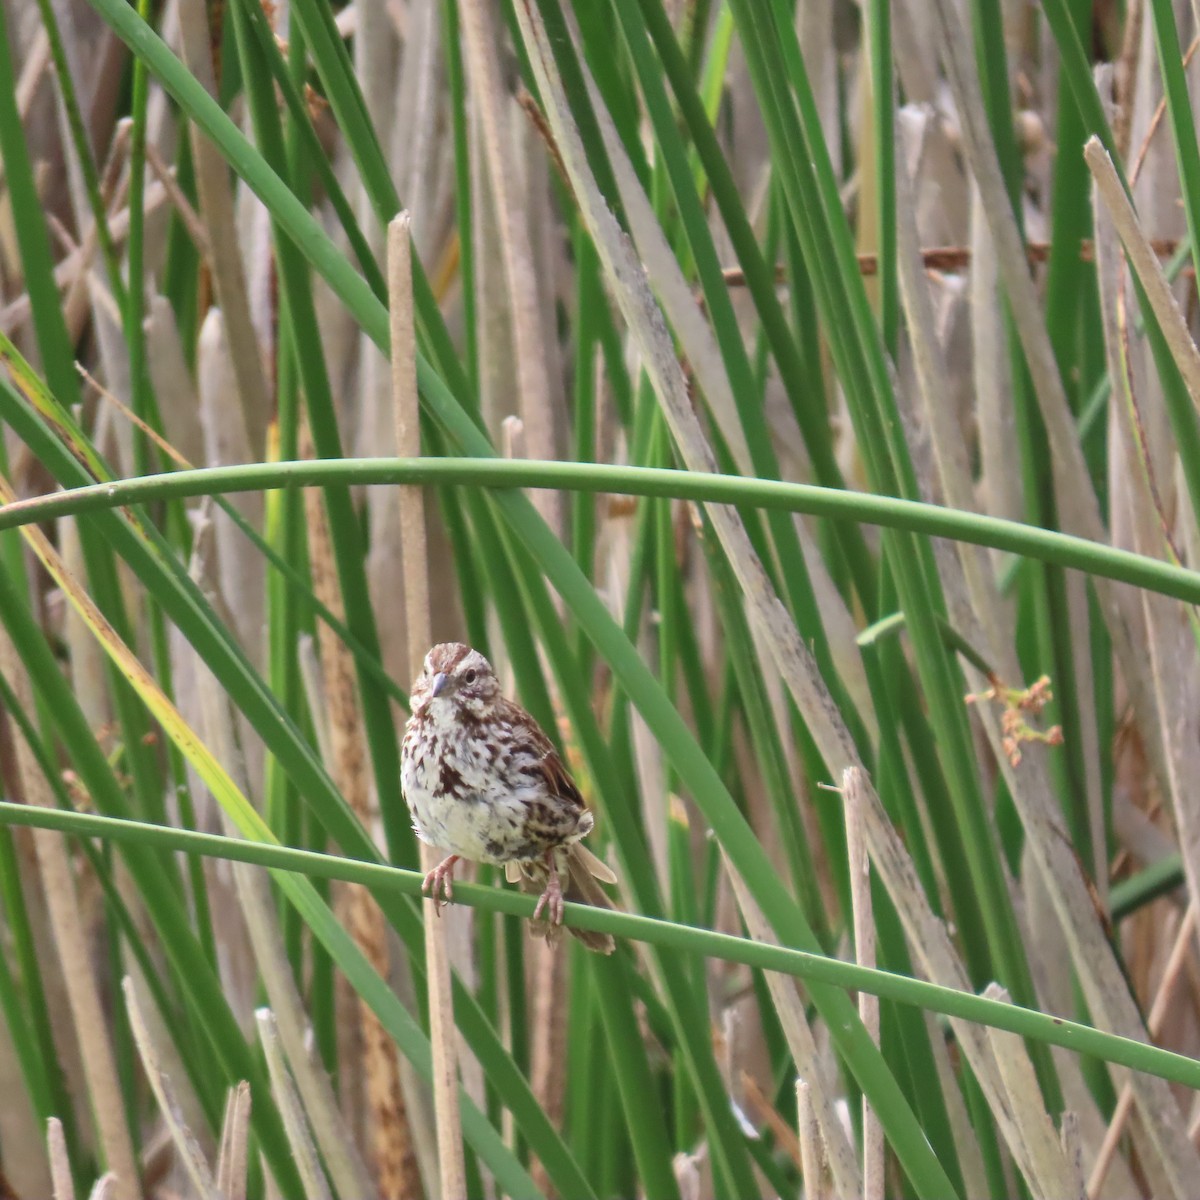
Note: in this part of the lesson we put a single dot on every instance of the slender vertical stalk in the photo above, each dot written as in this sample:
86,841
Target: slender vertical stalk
405,399
864,953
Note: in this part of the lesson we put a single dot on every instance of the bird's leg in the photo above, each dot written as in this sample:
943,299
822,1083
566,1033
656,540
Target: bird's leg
552,898
440,880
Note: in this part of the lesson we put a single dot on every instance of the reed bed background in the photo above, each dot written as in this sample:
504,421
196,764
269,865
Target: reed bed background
807,432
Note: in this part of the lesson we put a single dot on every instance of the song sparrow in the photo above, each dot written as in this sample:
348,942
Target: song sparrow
483,781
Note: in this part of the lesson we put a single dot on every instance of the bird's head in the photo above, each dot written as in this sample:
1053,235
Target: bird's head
455,678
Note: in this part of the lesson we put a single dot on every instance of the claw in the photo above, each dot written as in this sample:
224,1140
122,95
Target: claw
551,900
440,879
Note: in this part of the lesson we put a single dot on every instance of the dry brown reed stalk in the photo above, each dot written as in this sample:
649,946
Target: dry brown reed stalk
1166,622
187,1149
1042,1147
1146,265
1159,112
60,1164
240,568
509,196
812,1148
259,912
346,1169
548,1041
406,402
393,1158
1171,978
304,1150
939,962
547,986
189,217
68,927
820,1090
794,660
1103,983
1078,507
232,1154
864,953
228,270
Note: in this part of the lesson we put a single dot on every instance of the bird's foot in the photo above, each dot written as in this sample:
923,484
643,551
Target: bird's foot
439,883
551,900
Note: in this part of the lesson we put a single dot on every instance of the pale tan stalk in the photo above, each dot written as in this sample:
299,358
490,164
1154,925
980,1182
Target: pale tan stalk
1172,973
60,1163
346,1169
190,218
89,675
763,606
939,961
820,1090
1146,265
191,1157
172,381
37,59
1103,981
492,107
240,567
258,910
1172,648
991,374
16,312
1077,504
1052,1175
304,1150
68,925
442,1034
1072,1148
864,953
812,1150
232,1157
229,275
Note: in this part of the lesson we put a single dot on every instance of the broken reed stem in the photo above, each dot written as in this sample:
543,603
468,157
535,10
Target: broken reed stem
60,1165
187,1149
414,556
864,952
232,1152
291,1110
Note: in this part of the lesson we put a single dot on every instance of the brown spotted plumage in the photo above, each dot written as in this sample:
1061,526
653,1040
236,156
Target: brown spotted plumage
483,781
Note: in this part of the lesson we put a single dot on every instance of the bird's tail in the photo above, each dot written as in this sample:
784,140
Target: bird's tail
581,885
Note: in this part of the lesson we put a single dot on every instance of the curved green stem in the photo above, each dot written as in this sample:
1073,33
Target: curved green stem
1044,1027
1043,544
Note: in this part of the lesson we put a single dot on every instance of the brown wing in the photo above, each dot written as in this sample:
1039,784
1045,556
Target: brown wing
548,765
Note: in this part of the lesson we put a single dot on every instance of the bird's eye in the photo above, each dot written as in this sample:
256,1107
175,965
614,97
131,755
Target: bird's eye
470,677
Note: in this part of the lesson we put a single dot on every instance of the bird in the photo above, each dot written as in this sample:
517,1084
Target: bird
483,781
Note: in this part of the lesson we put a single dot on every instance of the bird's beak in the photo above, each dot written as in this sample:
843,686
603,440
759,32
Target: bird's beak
439,684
